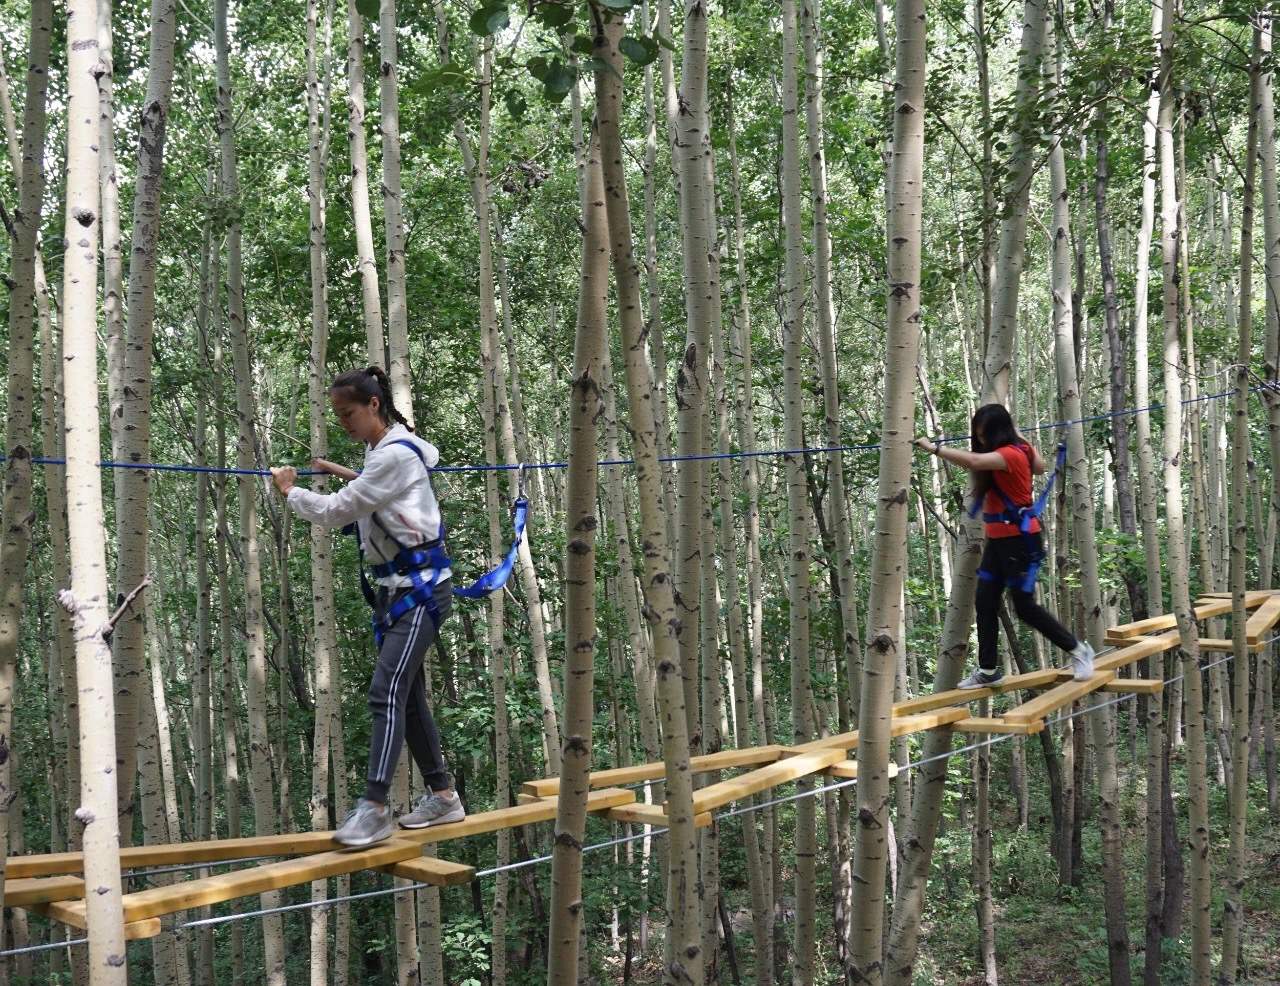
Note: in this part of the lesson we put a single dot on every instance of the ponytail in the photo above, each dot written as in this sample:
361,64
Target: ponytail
367,384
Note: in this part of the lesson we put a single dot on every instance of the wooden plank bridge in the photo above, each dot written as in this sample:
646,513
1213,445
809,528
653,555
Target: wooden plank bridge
50,884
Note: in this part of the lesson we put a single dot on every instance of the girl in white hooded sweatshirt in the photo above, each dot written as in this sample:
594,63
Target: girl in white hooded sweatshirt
395,510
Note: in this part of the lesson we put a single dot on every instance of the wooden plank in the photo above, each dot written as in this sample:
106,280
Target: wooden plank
407,844
1262,620
1136,649
165,854
1206,608
42,890
1056,698
898,726
654,815
848,769
1142,686
73,913
957,696
549,787
430,869
1217,645
718,795
997,725
1227,595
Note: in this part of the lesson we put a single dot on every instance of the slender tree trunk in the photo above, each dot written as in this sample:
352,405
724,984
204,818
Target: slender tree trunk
1119,383
361,218
1013,231
1147,489
1233,919
15,539
981,851
262,787
884,609
87,600
1271,348
324,638
393,212
804,724
1171,220
692,150
684,963
1080,488
134,486
580,557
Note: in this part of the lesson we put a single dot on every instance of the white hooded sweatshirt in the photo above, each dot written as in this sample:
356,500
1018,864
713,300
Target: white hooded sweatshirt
397,486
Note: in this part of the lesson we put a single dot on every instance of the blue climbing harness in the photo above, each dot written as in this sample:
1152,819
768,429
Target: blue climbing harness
1022,518
425,563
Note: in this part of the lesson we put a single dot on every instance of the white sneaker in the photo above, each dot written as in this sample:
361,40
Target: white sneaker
1082,661
981,678
434,809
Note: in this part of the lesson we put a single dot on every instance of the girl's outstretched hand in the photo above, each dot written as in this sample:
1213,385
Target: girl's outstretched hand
284,477
925,443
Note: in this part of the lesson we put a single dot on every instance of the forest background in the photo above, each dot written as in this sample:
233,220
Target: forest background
240,685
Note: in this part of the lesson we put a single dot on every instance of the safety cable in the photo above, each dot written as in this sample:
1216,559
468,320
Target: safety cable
607,463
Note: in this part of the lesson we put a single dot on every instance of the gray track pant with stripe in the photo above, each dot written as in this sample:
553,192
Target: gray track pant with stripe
398,697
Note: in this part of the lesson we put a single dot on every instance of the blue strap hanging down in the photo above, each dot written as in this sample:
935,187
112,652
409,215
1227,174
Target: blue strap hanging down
424,563
496,578
1022,517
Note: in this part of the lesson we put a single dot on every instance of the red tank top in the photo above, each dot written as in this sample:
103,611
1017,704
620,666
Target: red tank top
1015,482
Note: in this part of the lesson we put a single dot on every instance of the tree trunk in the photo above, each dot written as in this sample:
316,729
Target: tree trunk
1171,220
804,723
87,599
692,150
133,487
884,609
684,963
262,787
15,540
393,212
567,905
324,637
1080,488
981,852
1233,919
1119,384
361,218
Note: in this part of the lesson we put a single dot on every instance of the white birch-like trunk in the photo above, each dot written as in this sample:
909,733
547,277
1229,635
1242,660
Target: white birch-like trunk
884,610
261,784
1080,488
87,600
393,213
684,959
1171,219
798,548
361,218
567,904
1233,917
324,640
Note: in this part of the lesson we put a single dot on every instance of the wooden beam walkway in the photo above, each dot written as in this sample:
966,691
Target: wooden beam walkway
50,884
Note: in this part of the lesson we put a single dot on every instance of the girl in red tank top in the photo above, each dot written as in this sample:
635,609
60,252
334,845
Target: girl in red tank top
1002,463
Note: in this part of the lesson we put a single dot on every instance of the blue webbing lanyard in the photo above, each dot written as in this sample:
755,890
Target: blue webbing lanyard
424,563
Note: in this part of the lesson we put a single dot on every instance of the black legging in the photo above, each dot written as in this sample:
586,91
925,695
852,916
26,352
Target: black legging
1005,562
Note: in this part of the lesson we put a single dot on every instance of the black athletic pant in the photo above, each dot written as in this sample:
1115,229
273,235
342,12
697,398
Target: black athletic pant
398,696
1006,561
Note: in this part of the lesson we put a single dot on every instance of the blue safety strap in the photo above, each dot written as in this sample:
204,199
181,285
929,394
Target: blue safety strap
422,565
1022,518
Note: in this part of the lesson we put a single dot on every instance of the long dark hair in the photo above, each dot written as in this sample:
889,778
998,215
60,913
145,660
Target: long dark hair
364,385
997,429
